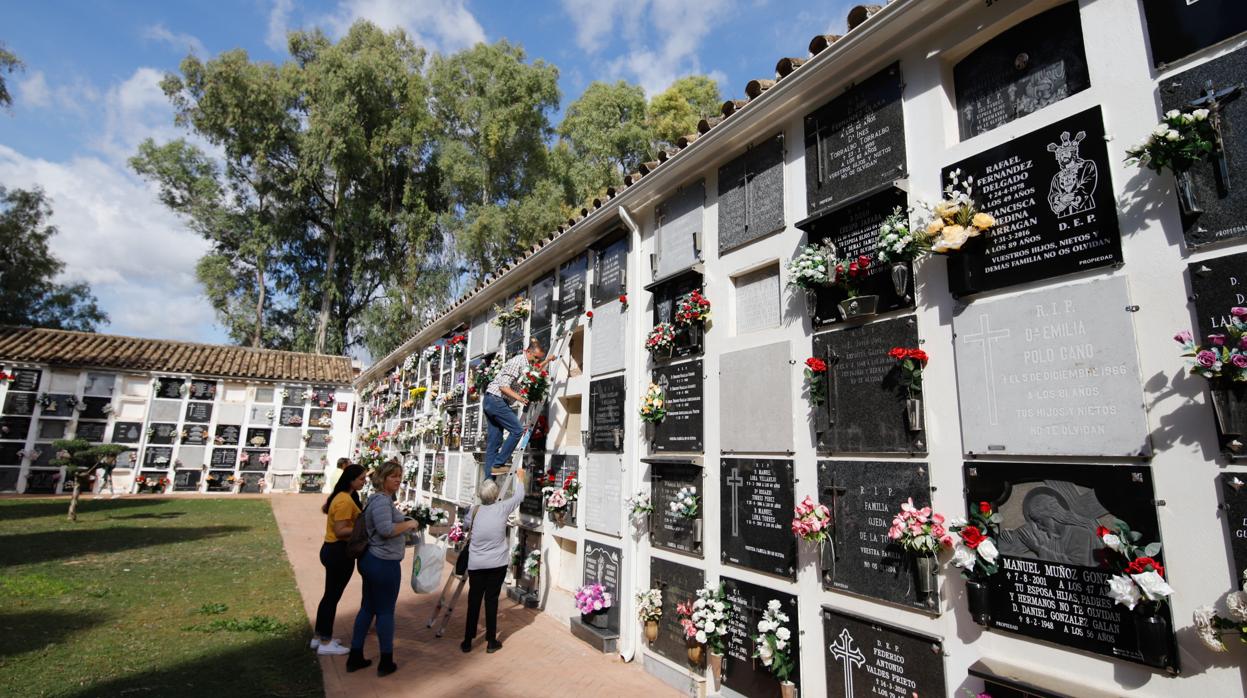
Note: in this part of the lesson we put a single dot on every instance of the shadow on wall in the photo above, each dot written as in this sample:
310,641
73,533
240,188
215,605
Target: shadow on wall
34,548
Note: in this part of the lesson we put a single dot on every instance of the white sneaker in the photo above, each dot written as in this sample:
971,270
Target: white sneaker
314,643
333,648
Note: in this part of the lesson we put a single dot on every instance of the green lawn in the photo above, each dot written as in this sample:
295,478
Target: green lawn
149,597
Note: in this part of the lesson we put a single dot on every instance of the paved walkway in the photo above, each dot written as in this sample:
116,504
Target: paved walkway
539,658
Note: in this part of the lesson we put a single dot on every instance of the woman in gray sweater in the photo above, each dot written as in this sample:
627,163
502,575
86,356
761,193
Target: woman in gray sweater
380,569
488,555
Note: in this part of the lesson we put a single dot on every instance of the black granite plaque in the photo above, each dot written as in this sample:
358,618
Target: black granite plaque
1218,284
257,459
25,379
311,484
513,342
186,480
679,584
52,429
681,429
607,406
170,388
756,515
158,456
741,672
610,272
218,480
426,474
444,382
95,407
542,335
572,287
688,338
863,497
1234,502
293,395
323,396
251,483
1036,63
14,428
200,412
291,417
317,438
58,405
127,432
1222,199
854,229
259,437
535,464
473,435
162,433
855,142
9,453
868,658
223,458
751,194
669,529
42,481
318,417
1178,28
20,403
543,300
196,435
45,454
1053,579
9,478
1052,197
203,390
865,405
227,434
604,564
91,432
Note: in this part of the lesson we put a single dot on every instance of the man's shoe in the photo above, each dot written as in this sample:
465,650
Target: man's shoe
493,647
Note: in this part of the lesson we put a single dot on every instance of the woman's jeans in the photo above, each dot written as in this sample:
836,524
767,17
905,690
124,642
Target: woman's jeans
381,583
338,570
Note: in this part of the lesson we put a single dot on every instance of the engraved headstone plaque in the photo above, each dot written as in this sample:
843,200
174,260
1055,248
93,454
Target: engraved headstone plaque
1052,197
257,459
288,437
863,496
58,405
20,403
166,411
320,417
227,434
671,529
604,564
757,383
868,658
607,403
688,338
252,483
317,438
186,480
756,513
470,474
218,480
311,483
52,428
323,396
9,478
42,481
1052,372
531,508
95,407
291,417
25,379
1175,29
162,433
199,412
741,672
543,300
203,390
14,428
127,432
683,389
1218,284
1037,62
865,398
292,395
607,339
679,584
610,271
91,432
158,456
601,494
757,300
855,142
571,288
426,474
1234,503
1053,579
170,388
751,194
258,438
99,384
9,453
679,220
195,434
223,458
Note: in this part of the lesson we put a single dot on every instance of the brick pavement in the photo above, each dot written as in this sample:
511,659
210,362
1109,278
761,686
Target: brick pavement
540,656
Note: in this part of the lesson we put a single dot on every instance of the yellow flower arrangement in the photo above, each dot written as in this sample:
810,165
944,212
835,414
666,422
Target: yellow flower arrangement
957,218
653,404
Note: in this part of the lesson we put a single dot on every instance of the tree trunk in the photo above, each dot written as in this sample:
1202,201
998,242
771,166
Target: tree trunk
257,339
326,298
73,500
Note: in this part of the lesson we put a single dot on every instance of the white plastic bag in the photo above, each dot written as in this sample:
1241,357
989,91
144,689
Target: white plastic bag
427,560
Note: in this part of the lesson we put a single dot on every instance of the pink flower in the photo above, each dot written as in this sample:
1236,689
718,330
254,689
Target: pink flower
908,505
938,531
1183,337
1239,360
1238,312
1217,340
1206,358
895,532
937,518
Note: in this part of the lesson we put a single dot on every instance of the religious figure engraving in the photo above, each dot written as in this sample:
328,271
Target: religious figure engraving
1072,190
1059,523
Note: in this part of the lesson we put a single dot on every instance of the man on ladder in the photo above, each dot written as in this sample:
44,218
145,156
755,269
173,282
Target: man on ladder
500,415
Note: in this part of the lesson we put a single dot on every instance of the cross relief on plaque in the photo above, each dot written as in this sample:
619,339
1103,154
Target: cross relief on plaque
868,659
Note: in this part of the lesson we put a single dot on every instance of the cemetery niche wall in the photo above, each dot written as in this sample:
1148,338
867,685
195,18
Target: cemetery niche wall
868,658
754,520
1054,569
683,389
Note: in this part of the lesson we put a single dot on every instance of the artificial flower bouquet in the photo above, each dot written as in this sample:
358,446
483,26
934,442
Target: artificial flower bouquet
686,503
653,404
426,515
534,383
911,362
956,219
1139,583
847,274
920,530
532,564
593,598
705,619
897,240
810,270
1212,627
773,643
639,504
1224,357
811,521
1178,143
649,605
558,500
816,380
661,339
974,542
691,308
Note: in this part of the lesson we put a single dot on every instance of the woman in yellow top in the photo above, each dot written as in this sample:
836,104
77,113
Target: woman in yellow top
341,509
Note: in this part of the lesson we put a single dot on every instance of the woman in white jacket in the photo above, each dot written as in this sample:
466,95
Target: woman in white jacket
488,554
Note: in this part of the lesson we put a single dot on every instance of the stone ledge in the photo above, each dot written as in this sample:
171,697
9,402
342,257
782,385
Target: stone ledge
605,641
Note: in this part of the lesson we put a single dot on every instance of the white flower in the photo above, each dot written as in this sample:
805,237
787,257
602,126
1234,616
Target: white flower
987,550
1172,114
1200,115
772,605
1153,585
963,556
1236,602
1123,591
718,606
1172,136
762,626
1204,629
1160,130
701,636
780,644
1113,542
783,634
710,626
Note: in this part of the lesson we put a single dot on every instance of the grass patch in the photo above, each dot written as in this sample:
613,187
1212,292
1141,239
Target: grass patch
101,607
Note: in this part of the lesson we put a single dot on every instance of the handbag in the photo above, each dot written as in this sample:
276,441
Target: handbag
461,564
357,544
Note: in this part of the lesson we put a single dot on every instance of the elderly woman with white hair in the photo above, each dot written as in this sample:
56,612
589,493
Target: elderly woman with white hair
488,555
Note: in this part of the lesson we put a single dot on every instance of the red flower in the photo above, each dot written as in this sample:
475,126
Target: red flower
816,365
863,262
972,536
897,353
551,477
918,355
623,298
589,314
1101,531
985,508
1145,564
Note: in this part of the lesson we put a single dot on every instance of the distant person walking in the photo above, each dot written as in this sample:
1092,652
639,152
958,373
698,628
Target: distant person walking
341,509
499,414
488,555
380,569
343,462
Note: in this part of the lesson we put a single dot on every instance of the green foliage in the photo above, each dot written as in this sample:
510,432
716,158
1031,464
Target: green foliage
9,63
676,111
607,133
254,624
212,609
28,293
33,586
80,458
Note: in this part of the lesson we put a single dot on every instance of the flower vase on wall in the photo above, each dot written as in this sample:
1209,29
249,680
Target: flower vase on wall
651,631
1152,632
716,669
900,279
925,569
1188,201
978,602
913,413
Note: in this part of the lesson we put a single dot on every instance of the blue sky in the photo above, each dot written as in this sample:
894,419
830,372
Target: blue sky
89,94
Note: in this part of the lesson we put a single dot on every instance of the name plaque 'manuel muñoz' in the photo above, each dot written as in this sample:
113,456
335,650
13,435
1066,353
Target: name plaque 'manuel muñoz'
1051,372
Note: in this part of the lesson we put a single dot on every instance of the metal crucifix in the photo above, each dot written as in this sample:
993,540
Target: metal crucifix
1214,101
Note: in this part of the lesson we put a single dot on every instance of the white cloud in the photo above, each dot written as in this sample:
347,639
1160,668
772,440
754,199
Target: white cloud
279,25
439,25
184,43
115,235
136,109
34,92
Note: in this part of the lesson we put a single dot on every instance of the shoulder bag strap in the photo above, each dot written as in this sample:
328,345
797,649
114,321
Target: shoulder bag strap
467,534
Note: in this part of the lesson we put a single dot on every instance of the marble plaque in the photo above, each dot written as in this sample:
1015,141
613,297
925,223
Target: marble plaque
1025,68
863,497
543,300
9,478
450,485
218,481
21,404
1234,503
166,411
1052,198
287,438
227,434
285,459
1175,29
757,385
1053,579
290,417
316,461
669,529
59,406
14,428
95,407
679,222
132,411
470,474
868,658
186,480
757,300
317,438
92,432
743,674
679,584
192,456
666,293
42,481
751,194
127,432
1218,284
1051,372
199,412
1221,196
607,409
265,395
162,433
865,409
571,288
604,564
203,390
259,437
99,384
606,338
158,456
8,453
683,391
251,483
610,272
309,484
170,388
602,493
855,142
195,434
25,379
257,459
320,417
476,336
223,458
756,514
51,429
